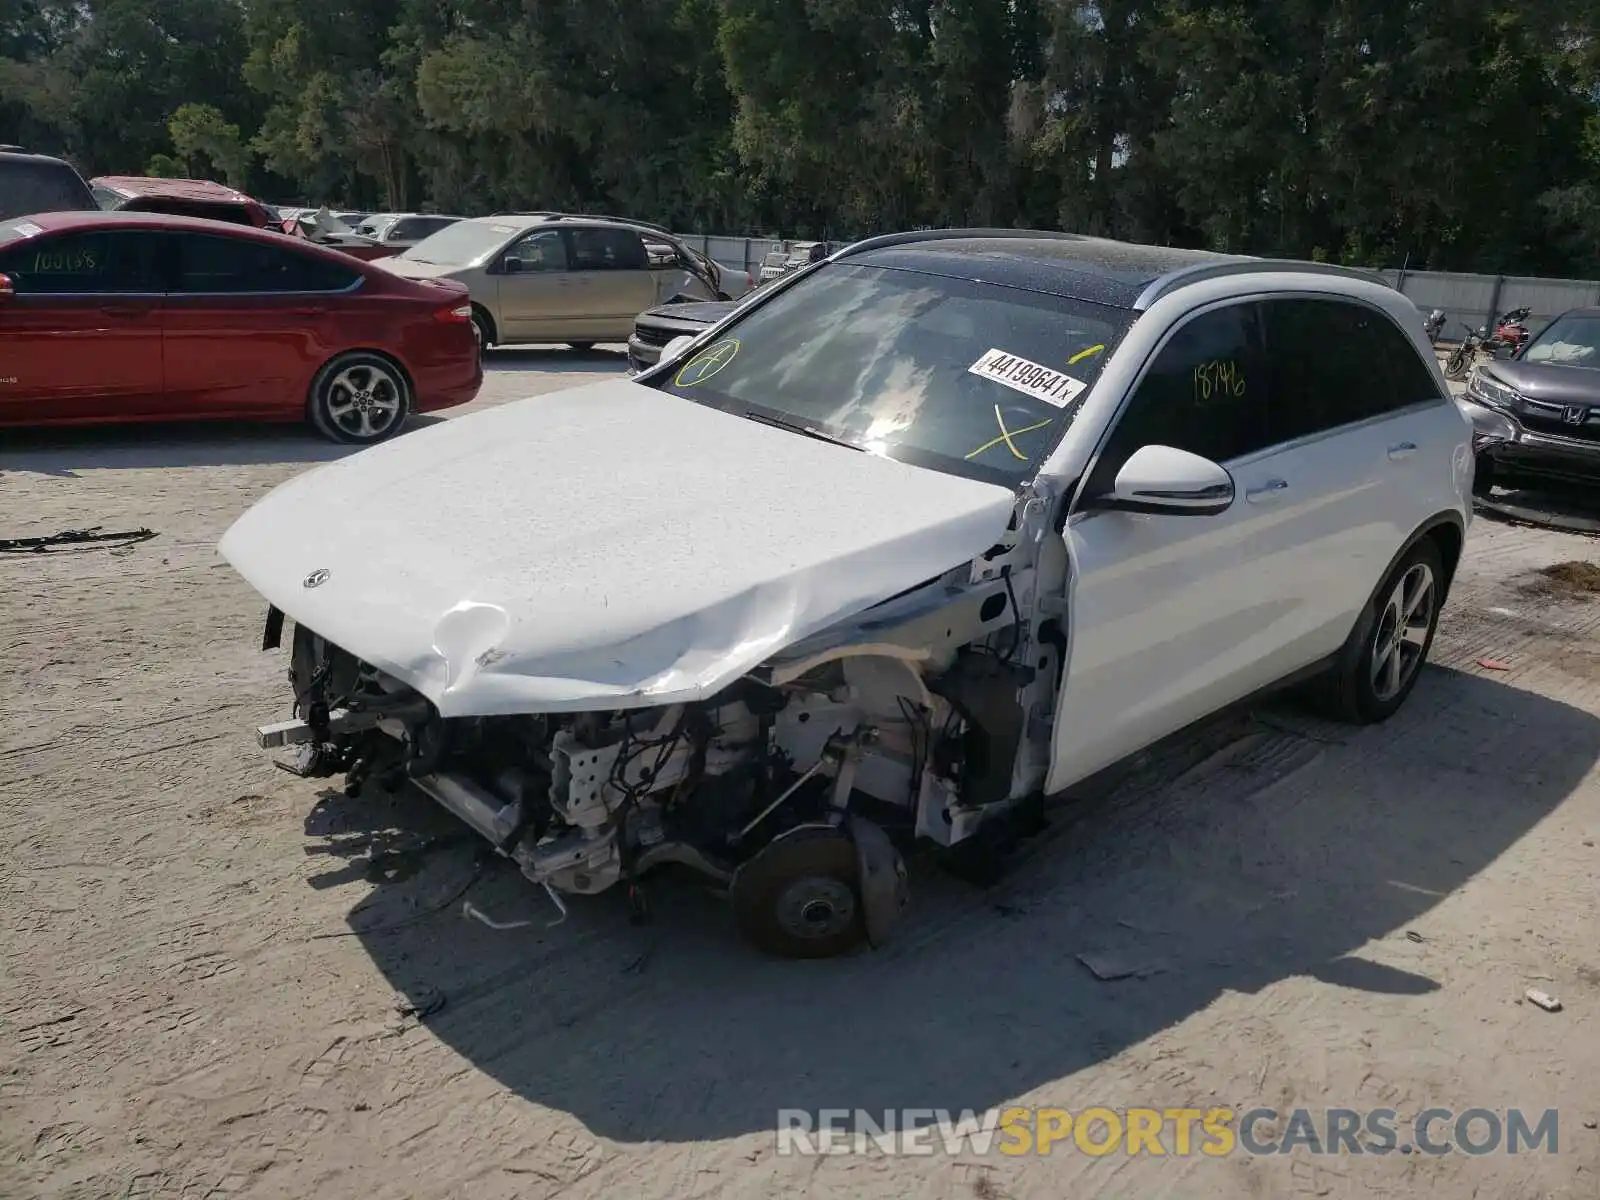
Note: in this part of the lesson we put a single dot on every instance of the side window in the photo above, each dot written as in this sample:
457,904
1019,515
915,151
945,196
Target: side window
93,262
235,266
1332,363
544,251
1203,393
607,250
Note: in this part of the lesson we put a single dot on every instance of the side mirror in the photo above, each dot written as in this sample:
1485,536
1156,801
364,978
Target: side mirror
511,266
676,346
1164,479
7,288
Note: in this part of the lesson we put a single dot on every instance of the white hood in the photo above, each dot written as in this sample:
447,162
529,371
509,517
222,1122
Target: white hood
610,546
413,268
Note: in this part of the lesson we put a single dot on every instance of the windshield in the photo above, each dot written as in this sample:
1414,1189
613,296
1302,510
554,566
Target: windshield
1572,340
462,243
973,379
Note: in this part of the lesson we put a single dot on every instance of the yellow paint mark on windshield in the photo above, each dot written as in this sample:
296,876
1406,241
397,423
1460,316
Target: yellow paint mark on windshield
1083,354
1007,434
707,363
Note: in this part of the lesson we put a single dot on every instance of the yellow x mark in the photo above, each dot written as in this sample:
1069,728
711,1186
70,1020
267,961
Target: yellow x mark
1007,434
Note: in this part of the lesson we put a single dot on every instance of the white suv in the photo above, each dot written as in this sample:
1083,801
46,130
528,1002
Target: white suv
912,540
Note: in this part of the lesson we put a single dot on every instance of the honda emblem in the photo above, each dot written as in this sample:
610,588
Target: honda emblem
1575,414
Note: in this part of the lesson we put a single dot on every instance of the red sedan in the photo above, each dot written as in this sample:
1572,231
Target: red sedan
126,316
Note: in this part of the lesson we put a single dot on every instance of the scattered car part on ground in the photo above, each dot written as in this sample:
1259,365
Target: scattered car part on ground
38,183
1536,417
76,539
180,198
545,278
108,317
863,578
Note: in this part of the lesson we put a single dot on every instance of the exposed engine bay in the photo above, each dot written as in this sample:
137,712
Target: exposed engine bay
926,716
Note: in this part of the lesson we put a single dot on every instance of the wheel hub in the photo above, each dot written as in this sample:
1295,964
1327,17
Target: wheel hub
817,906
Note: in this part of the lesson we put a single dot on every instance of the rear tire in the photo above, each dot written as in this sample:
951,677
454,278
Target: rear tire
1383,657
483,326
359,398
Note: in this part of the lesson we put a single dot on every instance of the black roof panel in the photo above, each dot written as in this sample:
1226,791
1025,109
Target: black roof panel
1096,269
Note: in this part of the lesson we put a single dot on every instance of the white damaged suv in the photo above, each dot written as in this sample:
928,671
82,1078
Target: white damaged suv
920,535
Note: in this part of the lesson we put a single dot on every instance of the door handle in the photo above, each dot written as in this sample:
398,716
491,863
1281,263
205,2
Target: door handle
1270,490
1402,450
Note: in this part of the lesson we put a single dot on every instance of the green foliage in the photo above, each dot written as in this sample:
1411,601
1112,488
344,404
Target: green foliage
1457,134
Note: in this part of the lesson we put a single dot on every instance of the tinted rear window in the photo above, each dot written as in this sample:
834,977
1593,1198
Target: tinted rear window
235,214
40,187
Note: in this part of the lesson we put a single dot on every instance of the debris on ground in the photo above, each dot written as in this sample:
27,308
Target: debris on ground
77,538
1109,965
1493,664
477,914
1543,999
1577,576
423,1003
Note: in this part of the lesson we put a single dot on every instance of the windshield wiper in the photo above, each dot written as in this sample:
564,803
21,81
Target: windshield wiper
810,431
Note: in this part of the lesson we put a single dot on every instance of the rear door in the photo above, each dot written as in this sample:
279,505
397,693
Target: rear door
614,282
81,337
538,299
1354,414
247,324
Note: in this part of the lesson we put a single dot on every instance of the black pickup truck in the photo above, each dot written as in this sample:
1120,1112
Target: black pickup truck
655,327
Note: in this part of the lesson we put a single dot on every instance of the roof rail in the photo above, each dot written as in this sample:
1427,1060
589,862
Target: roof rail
1200,272
570,216
885,240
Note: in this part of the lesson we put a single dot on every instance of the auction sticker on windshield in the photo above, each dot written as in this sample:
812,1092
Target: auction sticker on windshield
1029,378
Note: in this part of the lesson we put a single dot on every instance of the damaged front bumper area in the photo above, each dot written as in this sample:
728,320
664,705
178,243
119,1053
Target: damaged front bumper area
788,789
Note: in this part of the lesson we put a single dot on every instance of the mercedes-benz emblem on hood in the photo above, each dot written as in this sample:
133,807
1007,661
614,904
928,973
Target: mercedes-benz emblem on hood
316,579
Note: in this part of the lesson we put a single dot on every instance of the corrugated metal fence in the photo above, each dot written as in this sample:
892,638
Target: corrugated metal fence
1467,300
1474,300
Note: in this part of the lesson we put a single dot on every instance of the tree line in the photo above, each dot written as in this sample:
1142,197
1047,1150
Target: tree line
1450,134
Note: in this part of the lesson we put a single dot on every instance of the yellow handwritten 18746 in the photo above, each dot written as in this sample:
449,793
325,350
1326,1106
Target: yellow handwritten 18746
1218,378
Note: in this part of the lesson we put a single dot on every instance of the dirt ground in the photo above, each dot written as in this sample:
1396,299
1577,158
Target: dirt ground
219,980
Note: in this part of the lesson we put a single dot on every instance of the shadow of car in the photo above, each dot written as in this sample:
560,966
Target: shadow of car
1231,859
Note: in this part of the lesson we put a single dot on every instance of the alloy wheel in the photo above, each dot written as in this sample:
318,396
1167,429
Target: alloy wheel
1401,636
364,400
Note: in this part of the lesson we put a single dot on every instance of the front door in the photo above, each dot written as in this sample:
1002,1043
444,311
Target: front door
1166,615
80,338
538,296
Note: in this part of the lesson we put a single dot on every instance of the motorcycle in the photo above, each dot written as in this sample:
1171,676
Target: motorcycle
1433,326
1511,330
1509,336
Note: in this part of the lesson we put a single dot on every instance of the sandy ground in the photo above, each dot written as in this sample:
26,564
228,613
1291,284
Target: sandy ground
210,988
